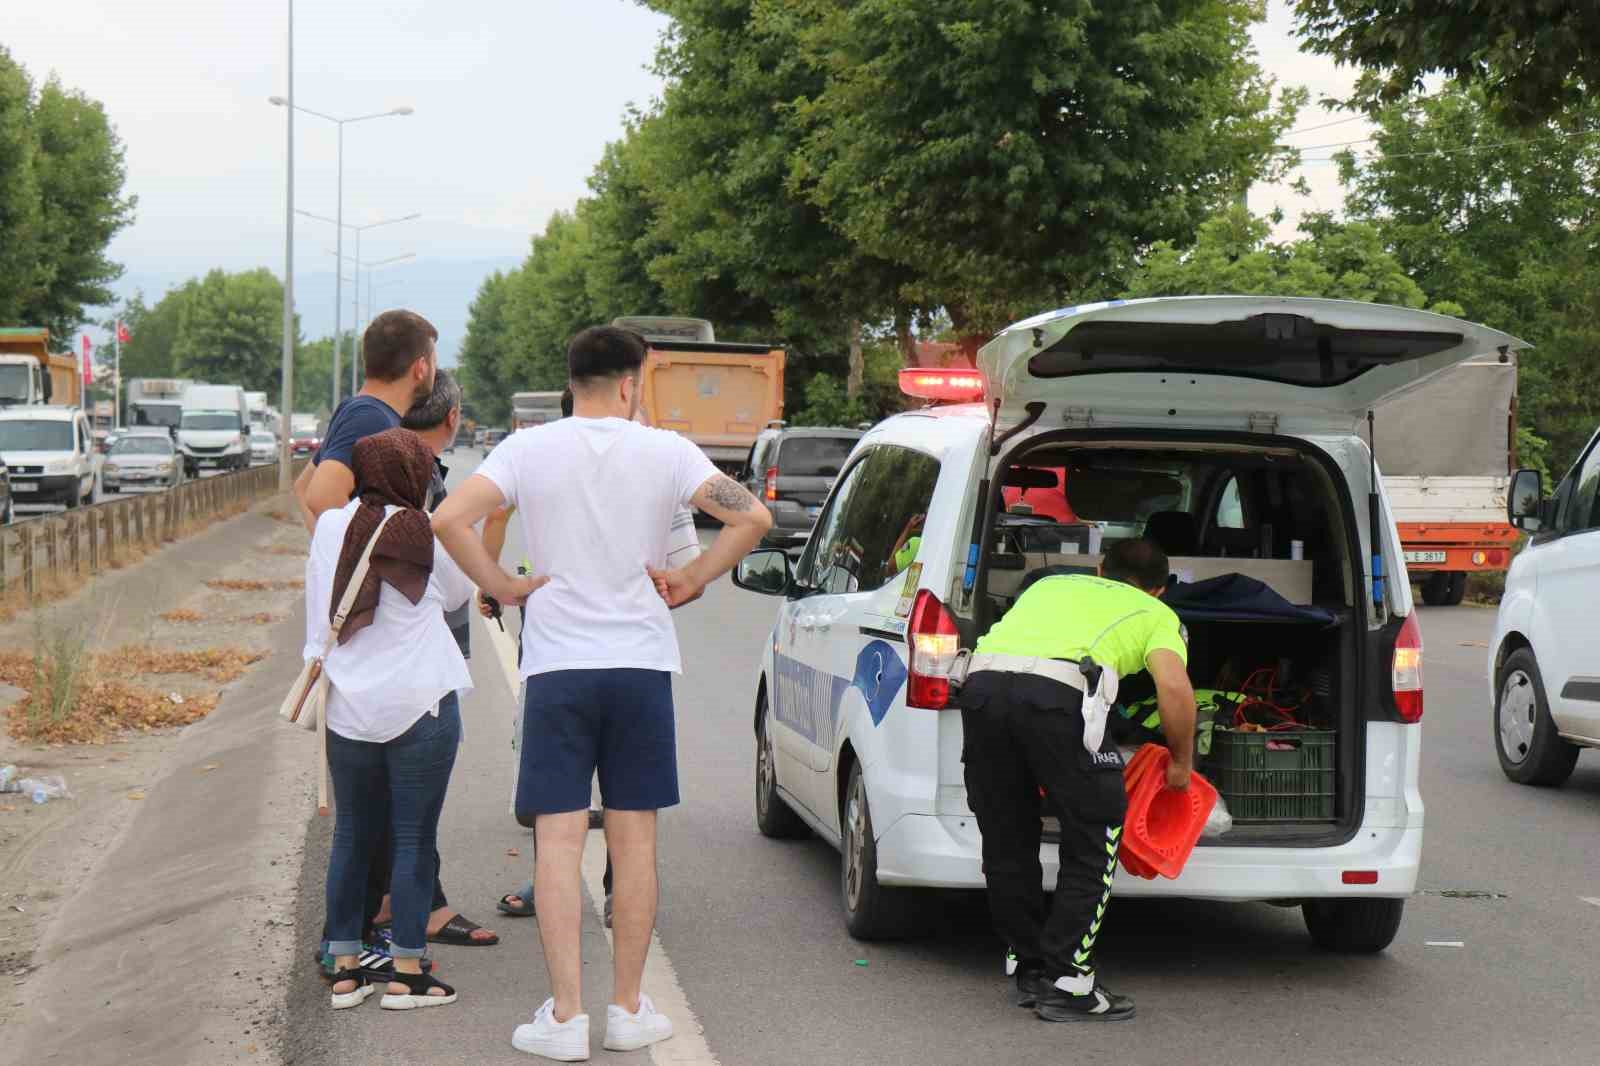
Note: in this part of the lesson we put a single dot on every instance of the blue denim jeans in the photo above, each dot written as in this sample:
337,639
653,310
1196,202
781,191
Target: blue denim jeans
399,785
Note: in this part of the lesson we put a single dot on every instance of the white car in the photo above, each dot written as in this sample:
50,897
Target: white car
263,447
1224,428
50,452
1543,665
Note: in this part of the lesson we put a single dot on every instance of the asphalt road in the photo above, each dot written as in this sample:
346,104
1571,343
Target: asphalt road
1494,962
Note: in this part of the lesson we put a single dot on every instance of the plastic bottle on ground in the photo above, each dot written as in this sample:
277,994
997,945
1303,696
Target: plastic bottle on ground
44,789
8,778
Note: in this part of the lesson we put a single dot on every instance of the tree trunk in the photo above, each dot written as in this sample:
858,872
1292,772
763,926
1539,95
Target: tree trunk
969,340
904,338
852,387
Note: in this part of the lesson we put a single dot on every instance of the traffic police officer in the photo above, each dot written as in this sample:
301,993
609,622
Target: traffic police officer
1033,717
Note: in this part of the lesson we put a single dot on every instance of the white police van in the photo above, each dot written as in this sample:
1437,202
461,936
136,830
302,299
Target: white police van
1224,428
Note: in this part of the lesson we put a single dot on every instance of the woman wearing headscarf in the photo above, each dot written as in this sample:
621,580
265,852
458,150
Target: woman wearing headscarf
391,745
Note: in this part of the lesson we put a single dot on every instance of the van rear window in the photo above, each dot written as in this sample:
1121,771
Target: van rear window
814,456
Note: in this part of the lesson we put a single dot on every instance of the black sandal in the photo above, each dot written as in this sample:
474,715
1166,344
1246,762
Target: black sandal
418,985
356,996
515,906
458,930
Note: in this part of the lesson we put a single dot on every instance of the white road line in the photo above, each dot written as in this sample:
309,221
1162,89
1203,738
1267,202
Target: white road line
1592,900
1446,943
688,1045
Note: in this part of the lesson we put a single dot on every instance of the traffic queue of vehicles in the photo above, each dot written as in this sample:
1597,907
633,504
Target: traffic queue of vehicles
1229,430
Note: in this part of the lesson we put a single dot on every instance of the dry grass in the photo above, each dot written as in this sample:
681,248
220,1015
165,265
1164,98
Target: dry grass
228,584
183,616
282,516
215,664
282,549
74,698
261,618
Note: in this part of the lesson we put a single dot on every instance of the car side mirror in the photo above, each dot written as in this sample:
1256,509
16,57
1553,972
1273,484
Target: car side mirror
1524,501
765,571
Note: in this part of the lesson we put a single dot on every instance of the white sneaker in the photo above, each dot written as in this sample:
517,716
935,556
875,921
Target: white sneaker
566,1041
630,1032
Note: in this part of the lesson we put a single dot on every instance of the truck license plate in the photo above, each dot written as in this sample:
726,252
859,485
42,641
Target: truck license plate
1424,557
25,486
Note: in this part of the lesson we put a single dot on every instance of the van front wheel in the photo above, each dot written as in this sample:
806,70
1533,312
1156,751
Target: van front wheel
1353,926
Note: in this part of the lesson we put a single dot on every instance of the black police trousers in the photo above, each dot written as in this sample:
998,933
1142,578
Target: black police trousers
1023,733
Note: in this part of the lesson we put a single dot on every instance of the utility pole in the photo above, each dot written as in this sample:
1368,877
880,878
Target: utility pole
285,474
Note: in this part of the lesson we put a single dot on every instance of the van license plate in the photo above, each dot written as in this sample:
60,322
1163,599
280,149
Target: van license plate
1424,557
24,486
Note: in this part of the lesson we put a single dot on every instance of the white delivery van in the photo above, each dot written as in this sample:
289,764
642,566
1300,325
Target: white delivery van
214,432
1227,429
50,454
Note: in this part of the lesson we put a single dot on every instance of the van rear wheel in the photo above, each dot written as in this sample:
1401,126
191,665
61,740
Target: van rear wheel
1353,926
871,911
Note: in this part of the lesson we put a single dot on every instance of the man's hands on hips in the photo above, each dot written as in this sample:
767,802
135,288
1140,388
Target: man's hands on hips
676,587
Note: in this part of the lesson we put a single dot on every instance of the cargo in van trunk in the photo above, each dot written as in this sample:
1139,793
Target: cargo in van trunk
1263,549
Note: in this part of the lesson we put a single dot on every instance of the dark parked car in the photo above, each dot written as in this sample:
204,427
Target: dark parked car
791,471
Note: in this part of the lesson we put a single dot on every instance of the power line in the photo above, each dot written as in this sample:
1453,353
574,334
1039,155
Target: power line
1325,125
1457,150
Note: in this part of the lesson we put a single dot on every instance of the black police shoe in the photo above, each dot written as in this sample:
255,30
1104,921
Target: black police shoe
1054,1005
1031,984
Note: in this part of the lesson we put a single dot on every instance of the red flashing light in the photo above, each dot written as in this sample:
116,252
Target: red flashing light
934,642
772,483
936,383
1407,670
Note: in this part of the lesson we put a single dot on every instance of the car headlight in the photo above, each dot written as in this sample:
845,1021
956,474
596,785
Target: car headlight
59,466
109,468
164,468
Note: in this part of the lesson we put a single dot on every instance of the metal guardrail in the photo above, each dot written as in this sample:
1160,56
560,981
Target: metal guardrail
57,549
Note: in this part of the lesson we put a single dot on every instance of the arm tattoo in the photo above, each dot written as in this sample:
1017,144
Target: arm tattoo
728,494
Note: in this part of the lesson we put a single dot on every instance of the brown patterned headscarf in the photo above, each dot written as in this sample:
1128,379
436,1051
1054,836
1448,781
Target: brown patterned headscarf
392,467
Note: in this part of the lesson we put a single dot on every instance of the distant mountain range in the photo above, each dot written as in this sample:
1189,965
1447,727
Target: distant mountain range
440,289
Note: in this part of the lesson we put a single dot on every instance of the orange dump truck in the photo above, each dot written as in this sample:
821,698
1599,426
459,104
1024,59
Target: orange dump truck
1447,448
30,375
718,395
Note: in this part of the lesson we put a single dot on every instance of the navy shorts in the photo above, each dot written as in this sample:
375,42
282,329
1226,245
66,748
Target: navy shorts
617,723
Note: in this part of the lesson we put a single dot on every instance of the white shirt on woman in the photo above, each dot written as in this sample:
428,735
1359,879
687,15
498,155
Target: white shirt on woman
400,665
597,498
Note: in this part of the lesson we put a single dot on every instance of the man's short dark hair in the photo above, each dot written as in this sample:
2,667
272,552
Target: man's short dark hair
431,413
394,342
566,402
1138,562
604,352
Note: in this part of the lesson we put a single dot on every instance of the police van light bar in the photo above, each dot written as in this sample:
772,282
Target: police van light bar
941,384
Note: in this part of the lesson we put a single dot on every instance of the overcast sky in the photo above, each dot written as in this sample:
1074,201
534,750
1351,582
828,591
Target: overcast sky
514,101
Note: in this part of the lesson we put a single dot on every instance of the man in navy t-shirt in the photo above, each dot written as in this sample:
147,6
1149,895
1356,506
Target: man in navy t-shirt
398,348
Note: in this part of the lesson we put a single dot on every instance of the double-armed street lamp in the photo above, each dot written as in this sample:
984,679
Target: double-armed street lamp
338,220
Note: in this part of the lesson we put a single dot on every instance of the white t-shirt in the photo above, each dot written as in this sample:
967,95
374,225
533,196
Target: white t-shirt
400,665
597,499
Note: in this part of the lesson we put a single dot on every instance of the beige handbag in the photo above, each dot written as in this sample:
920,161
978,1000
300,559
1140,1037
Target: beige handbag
306,704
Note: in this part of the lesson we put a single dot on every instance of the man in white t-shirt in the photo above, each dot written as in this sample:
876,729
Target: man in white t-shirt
596,495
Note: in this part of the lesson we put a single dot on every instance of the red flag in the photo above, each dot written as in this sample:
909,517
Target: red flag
122,333
88,367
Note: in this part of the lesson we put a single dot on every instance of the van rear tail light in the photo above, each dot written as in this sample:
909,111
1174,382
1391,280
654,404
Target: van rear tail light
1407,668
934,642
772,483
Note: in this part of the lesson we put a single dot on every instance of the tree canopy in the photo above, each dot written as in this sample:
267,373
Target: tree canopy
1532,59
61,202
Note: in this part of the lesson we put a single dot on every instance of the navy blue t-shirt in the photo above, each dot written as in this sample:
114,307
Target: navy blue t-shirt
357,417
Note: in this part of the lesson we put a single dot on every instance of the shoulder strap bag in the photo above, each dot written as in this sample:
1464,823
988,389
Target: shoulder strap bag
307,702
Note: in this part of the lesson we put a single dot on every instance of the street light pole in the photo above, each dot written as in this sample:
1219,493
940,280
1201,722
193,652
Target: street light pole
284,478
338,293
338,220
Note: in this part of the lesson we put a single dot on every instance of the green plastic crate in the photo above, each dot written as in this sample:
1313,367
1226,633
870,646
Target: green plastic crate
1263,785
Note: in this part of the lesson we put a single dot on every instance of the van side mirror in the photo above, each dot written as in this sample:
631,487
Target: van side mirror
1524,500
766,571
